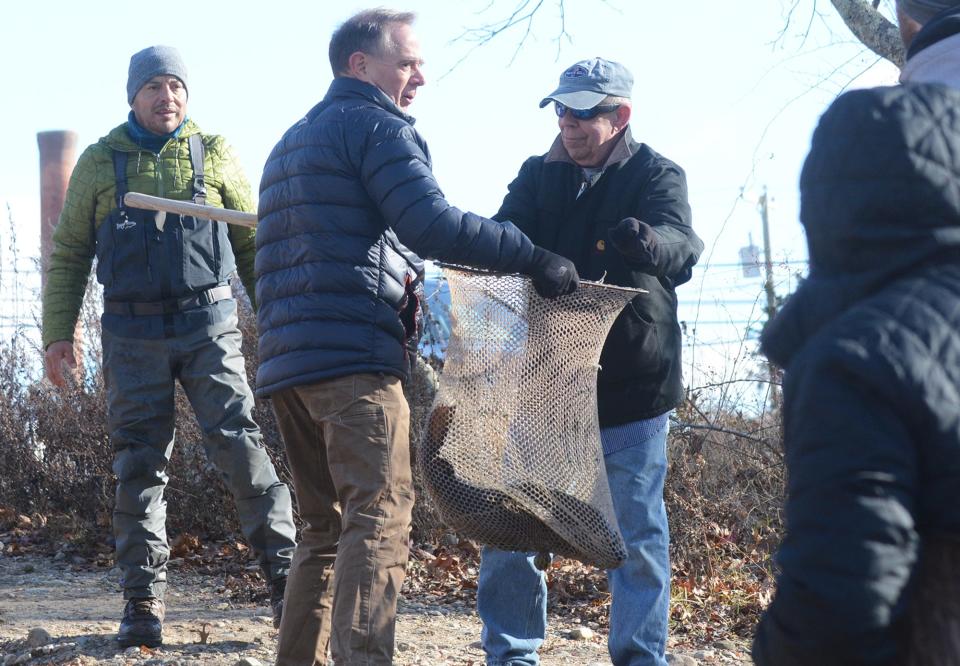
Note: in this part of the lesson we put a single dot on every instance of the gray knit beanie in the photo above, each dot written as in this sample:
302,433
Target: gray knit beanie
922,11
154,61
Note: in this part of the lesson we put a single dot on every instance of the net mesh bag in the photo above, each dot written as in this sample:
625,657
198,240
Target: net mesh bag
511,454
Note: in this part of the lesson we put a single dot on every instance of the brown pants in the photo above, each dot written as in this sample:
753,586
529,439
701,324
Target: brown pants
347,441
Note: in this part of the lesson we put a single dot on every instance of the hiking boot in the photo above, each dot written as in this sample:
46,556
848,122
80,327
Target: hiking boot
277,588
142,623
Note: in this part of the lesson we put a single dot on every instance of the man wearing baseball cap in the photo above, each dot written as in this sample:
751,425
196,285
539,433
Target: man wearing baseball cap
619,211
169,316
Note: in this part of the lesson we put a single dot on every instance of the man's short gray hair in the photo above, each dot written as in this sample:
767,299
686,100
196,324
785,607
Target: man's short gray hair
367,31
612,99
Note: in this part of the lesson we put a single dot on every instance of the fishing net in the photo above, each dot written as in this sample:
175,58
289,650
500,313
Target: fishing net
511,454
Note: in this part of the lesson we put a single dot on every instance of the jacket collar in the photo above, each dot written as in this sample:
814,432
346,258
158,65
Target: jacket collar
623,150
937,63
939,27
147,139
817,301
346,87
119,137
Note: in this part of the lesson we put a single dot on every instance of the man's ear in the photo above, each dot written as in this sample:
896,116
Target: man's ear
357,65
623,116
908,27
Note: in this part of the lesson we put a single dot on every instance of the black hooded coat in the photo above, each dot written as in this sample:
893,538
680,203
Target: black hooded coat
871,347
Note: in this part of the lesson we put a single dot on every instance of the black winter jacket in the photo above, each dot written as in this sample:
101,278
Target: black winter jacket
871,346
344,193
640,374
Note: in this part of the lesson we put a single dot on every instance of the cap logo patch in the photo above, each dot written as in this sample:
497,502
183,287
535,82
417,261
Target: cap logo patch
576,72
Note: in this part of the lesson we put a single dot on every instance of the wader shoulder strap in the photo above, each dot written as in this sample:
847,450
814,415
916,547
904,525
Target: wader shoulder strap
200,196
120,175
196,159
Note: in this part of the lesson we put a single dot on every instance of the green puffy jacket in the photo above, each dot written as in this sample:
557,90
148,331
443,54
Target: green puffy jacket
91,195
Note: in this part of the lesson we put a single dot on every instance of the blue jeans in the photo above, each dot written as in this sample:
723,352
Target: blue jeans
512,593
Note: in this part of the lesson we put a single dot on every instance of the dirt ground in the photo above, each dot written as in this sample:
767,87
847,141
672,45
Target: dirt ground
60,611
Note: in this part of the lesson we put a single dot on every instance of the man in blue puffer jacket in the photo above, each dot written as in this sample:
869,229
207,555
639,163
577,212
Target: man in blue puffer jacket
344,194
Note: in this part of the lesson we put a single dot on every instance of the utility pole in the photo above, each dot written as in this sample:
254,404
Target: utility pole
767,257
771,308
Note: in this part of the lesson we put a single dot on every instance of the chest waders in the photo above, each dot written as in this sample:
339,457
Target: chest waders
159,330
148,271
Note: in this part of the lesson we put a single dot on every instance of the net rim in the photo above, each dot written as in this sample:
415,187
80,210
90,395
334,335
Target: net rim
491,273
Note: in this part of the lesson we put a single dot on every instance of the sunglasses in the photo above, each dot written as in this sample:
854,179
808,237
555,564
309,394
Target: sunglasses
584,114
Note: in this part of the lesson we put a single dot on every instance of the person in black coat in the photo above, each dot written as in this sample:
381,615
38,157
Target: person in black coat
347,203
871,347
619,210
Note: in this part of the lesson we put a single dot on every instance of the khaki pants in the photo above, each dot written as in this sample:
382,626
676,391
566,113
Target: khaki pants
347,441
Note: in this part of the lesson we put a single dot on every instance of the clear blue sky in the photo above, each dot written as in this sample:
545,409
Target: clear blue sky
721,88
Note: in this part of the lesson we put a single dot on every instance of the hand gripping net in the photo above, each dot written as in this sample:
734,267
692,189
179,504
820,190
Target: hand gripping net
511,455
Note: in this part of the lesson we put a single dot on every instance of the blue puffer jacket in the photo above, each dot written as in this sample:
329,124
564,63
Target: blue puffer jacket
344,193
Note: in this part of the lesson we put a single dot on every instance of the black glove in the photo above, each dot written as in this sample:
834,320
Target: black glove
552,274
636,240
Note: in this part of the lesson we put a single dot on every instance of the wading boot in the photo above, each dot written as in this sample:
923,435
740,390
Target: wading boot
142,623
277,588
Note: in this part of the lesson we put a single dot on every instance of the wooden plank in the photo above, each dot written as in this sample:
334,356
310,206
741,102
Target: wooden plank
138,200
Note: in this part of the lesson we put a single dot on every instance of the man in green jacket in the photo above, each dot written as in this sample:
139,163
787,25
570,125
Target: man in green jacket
168,315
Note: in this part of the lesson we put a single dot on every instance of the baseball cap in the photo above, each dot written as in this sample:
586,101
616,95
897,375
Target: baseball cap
585,84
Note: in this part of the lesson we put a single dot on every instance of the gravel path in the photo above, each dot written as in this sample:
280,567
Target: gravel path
63,612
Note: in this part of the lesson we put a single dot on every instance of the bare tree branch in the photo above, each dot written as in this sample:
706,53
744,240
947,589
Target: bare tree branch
865,21
726,431
795,5
523,14
563,29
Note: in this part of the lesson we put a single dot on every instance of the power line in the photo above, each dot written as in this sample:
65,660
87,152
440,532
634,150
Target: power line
722,301
791,262
692,323
719,343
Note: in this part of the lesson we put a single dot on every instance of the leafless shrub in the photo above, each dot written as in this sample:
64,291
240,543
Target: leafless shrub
58,457
724,487
724,496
